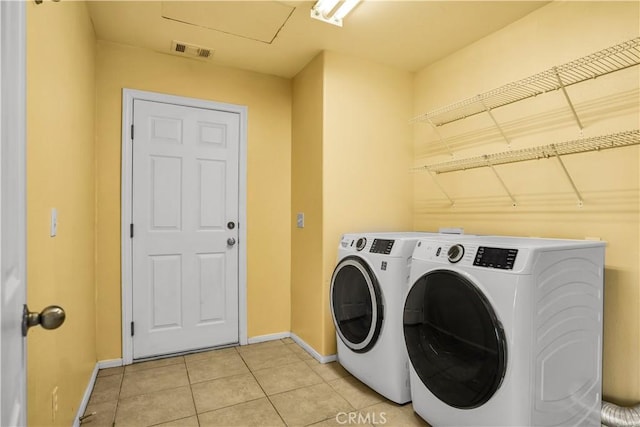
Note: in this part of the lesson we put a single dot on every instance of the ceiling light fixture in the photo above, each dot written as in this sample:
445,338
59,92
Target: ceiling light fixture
331,12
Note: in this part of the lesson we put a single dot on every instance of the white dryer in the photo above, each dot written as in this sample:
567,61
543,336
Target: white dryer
366,296
504,331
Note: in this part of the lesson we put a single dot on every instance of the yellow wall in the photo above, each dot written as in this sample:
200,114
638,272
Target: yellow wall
60,174
367,158
352,145
306,197
268,181
552,35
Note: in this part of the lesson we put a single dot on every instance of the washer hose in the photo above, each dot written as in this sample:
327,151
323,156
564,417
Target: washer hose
618,416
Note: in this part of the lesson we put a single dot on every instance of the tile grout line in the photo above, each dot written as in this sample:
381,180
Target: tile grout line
235,404
155,390
191,388
261,388
228,407
299,388
115,413
193,399
183,362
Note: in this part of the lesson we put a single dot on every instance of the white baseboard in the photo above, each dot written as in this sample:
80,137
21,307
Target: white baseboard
320,358
269,337
92,381
110,363
86,396
280,335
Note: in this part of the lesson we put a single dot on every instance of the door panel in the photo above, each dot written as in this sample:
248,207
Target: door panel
165,189
166,291
211,200
165,130
212,291
185,189
12,214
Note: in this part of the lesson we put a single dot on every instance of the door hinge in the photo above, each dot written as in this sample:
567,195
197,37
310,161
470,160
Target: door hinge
132,132
132,329
131,230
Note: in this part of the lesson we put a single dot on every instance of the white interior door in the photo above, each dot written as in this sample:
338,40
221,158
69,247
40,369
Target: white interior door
12,214
185,233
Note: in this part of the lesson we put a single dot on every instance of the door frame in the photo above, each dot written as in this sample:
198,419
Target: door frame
128,96
13,74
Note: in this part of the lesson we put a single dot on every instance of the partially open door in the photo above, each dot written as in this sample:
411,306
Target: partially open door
12,213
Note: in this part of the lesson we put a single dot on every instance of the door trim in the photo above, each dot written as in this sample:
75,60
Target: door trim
128,96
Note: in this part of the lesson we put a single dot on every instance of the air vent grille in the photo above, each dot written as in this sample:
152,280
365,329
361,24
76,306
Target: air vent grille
194,51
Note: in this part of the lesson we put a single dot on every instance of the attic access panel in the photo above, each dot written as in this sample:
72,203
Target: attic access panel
255,20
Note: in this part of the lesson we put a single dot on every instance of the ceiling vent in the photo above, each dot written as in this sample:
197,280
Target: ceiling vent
191,50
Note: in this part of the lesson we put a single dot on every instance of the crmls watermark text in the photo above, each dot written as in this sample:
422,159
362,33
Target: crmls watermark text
355,418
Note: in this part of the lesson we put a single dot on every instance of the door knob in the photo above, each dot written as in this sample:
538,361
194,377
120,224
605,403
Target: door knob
50,318
231,241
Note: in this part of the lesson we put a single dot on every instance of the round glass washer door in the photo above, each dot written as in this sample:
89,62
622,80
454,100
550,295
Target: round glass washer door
356,304
456,343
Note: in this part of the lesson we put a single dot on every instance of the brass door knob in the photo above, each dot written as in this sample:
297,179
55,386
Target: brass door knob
52,317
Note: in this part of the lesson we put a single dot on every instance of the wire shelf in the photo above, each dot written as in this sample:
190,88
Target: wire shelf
621,139
615,58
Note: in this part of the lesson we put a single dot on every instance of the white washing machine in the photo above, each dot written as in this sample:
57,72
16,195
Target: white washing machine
504,331
366,293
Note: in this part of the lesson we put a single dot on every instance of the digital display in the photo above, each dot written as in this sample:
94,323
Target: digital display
495,257
381,246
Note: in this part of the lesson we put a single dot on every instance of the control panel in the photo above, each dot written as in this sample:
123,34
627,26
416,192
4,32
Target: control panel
495,257
381,246
470,254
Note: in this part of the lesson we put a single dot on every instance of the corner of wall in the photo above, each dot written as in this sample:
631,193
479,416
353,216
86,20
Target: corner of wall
306,178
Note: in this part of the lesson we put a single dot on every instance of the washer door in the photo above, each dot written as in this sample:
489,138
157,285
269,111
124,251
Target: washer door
455,342
356,304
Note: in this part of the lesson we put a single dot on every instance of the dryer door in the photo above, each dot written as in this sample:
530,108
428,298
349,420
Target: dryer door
455,342
356,304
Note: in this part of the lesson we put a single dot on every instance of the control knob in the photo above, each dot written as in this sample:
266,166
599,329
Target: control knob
455,253
361,243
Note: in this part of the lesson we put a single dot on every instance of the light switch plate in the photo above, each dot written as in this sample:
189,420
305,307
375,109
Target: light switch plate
54,222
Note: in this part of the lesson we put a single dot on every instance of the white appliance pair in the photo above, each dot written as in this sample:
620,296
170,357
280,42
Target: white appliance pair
498,330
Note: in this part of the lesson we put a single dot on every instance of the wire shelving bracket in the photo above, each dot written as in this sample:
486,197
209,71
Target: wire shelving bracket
437,183
442,140
597,143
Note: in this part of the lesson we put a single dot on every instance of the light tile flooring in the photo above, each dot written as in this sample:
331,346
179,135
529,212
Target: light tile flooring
275,383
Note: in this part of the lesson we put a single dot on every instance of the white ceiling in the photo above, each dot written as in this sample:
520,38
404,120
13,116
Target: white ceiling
280,38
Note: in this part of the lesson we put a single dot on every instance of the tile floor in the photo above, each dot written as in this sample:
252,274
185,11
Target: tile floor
275,383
